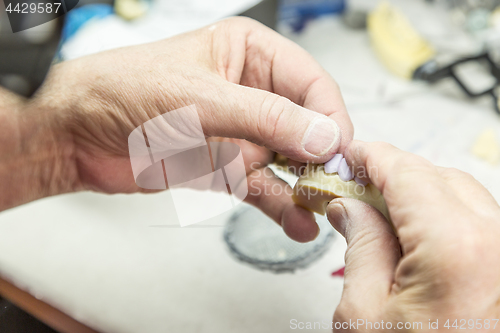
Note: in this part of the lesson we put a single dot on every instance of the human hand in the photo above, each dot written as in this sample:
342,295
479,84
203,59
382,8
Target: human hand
443,264
247,83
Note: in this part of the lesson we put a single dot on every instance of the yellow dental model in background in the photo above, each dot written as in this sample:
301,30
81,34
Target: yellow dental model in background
400,48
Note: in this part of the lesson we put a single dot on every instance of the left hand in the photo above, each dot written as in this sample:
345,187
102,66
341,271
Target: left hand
248,83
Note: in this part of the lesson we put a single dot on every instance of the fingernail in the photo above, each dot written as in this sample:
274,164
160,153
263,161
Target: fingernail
332,165
344,171
321,135
337,217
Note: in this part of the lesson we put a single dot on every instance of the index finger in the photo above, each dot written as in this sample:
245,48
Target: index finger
299,77
412,187
267,60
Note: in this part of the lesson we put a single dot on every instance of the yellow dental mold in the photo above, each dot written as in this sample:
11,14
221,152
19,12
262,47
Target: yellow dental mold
315,189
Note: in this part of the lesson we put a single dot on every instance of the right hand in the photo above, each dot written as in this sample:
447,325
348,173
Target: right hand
444,262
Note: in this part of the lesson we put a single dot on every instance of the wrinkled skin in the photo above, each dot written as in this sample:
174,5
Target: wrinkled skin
444,265
249,85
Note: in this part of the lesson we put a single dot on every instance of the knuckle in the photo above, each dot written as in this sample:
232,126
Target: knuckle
459,251
453,173
273,112
380,145
348,311
342,313
240,21
374,149
349,307
402,159
397,168
409,167
409,161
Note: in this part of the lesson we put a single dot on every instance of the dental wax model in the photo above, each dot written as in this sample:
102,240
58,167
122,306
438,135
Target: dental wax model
320,184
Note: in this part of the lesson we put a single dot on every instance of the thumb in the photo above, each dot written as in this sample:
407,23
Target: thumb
372,252
275,122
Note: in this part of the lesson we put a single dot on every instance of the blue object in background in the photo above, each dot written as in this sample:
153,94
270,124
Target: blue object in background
297,13
77,17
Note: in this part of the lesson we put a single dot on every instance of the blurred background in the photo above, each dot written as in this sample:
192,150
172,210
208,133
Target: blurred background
422,75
